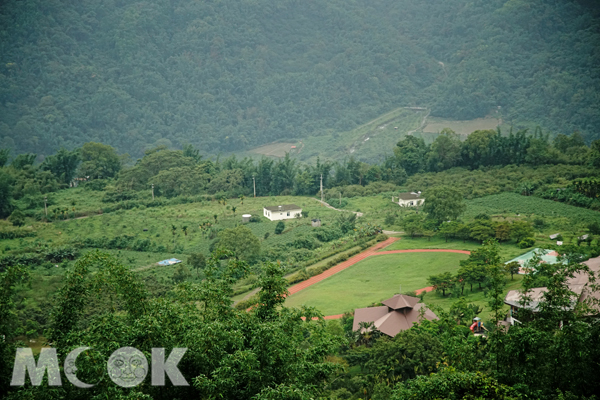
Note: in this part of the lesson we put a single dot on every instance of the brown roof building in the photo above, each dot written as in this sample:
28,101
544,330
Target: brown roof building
397,314
580,284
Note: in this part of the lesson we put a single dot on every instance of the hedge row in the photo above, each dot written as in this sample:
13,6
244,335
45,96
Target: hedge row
53,254
305,274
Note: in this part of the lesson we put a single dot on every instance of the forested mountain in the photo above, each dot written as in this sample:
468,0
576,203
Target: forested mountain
228,75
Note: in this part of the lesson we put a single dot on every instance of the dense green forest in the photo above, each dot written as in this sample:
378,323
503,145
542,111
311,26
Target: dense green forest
226,75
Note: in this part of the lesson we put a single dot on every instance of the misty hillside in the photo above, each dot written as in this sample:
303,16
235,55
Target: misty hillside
228,75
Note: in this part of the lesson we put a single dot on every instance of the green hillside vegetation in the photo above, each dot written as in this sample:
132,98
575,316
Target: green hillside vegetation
229,76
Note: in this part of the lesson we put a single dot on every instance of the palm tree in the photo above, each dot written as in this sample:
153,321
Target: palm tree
233,210
242,197
215,217
184,229
173,229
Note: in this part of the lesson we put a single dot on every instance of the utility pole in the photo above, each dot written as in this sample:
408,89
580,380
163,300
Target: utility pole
254,185
45,206
340,199
153,192
321,187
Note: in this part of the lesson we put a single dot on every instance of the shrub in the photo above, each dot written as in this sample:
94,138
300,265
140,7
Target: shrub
381,237
390,219
303,243
279,228
327,234
538,223
527,242
245,304
17,218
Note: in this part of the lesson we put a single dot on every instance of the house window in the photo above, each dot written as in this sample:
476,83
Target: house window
288,213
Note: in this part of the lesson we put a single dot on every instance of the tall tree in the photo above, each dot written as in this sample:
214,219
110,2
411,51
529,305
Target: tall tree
443,203
99,160
63,164
445,151
411,153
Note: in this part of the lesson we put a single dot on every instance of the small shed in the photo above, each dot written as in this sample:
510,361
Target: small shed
246,218
554,236
316,223
170,261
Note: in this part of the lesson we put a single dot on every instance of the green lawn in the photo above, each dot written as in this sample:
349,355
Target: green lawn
374,279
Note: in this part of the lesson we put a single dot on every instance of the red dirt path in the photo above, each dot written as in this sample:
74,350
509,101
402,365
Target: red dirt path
372,251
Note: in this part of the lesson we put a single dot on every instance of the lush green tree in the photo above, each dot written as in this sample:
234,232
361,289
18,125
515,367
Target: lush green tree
445,151
463,312
181,274
443,203
197,261
450,384
477,148
6,205
502,231
482,230
99,161
346,222
63,164
9,279
411,154
268,352
512,268
520,230
181,181
141,175
449,229
4,153
441,282
23,160
241,241
409,354
17,218
413,224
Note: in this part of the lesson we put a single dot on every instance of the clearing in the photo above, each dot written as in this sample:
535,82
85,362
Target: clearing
374,279
463,128
278,149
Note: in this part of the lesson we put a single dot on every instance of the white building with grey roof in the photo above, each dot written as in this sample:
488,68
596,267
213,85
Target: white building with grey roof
286,211
412,199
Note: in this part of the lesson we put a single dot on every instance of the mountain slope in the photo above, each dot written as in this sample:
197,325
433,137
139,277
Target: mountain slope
229,75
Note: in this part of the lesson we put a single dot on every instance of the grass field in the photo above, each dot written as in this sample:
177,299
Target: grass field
374,279
277,149
464,128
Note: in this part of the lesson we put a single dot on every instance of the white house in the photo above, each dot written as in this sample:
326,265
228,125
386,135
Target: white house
282,212
411,199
